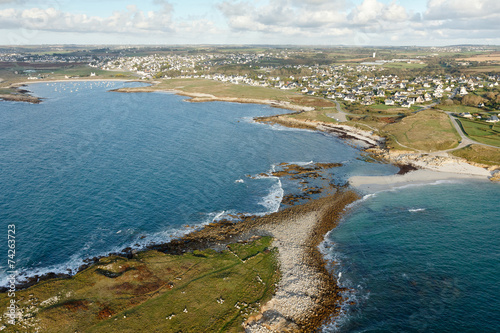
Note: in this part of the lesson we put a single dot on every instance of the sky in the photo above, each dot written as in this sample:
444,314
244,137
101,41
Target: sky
284,22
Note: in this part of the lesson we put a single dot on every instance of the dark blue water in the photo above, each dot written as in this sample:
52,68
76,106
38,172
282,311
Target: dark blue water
421,259
89,171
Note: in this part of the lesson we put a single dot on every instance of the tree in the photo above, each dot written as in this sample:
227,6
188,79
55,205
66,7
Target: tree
472,100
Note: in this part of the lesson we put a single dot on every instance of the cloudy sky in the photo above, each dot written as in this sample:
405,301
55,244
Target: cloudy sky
305,22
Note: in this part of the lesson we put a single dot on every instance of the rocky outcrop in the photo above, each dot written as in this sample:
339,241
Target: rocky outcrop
495,177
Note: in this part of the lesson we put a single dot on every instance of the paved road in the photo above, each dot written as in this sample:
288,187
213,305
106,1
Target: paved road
465,141
426,107
340,116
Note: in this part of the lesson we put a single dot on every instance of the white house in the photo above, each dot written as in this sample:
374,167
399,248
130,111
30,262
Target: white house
493,119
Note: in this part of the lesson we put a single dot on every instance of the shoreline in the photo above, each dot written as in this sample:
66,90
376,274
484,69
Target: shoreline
22,95
441,163
373,184
25,83
298,251
307,295
373,143
202,97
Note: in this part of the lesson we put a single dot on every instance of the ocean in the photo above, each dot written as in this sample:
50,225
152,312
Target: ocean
89,172
420,259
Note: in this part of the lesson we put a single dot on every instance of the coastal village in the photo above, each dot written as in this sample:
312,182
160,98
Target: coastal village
271,166
362,83
408,106
366,83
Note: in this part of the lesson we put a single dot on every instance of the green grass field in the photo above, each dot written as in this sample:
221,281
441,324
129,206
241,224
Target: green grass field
318,115
204,291
488,133
458,108
479,154
428,130
404,65
388,109
221,89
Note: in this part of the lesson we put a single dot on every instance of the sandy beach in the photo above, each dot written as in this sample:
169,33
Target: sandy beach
432,168
372,184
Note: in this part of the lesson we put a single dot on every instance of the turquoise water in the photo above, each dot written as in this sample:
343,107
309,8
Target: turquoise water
88,171
421,259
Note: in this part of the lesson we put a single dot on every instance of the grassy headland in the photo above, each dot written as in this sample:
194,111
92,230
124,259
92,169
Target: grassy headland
201,291
211,280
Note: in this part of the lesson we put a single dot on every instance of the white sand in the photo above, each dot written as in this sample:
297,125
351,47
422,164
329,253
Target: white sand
372,184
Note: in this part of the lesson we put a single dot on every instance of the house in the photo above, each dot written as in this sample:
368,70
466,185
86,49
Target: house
463,91
389,102
493,119
406,104
350,98
367,101
465,115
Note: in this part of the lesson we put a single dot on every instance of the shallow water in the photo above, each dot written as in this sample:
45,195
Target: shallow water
89,171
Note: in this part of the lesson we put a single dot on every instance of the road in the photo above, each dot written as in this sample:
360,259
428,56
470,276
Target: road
341,116
465,141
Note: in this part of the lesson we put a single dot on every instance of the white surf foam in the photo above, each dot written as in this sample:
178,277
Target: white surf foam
353,294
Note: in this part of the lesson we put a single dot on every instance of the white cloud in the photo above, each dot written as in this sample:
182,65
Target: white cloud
312,18
283,16
131,20
370,22
270,21
456,9
367,12
474,22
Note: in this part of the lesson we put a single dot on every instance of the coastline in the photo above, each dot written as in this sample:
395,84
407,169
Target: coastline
202,97
311,308
294,307
372,184
371,142
438,166
21,95
306,296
